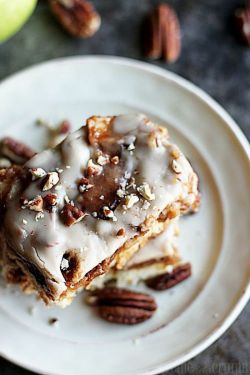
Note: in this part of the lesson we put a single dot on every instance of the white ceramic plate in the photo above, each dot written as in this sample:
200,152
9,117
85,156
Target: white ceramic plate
216,240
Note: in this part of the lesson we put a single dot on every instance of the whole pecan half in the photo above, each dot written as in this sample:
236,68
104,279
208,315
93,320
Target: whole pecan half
170,279
161,34
15,151
78,17
242,24
122,306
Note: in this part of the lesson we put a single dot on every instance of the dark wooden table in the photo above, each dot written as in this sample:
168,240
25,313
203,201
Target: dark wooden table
211,58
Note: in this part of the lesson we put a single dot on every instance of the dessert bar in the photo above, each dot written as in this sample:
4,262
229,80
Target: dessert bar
89,204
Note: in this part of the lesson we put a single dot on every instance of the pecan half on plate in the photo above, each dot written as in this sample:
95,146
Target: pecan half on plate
170,279
122,306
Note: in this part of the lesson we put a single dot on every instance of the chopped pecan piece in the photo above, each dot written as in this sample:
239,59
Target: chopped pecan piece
145,191
170,279
37,173
64,127
35,204
51,179
71,214
83,181
115,159
78,17
103,159
16,151
93,169
130,201
122,306
83,185
50,201
109,214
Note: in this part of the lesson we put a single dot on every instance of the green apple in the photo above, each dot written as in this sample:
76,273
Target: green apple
13,14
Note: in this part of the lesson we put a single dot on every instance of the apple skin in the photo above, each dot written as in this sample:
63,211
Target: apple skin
14,13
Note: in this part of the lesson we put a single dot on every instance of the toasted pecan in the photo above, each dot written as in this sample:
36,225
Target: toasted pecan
123,306
170,279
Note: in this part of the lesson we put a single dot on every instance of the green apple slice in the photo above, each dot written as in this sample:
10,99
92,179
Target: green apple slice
13,14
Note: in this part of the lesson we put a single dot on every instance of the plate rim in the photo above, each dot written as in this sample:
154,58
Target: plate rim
229,123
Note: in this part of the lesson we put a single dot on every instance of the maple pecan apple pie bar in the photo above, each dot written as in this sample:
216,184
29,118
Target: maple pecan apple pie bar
73,211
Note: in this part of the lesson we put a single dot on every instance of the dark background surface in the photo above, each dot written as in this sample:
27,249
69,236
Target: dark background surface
211,58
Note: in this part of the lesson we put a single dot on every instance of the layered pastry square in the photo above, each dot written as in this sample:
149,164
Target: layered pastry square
73,212
159,256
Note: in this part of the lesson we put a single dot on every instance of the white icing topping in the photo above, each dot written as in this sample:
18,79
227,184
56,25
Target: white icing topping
45,241
125,124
